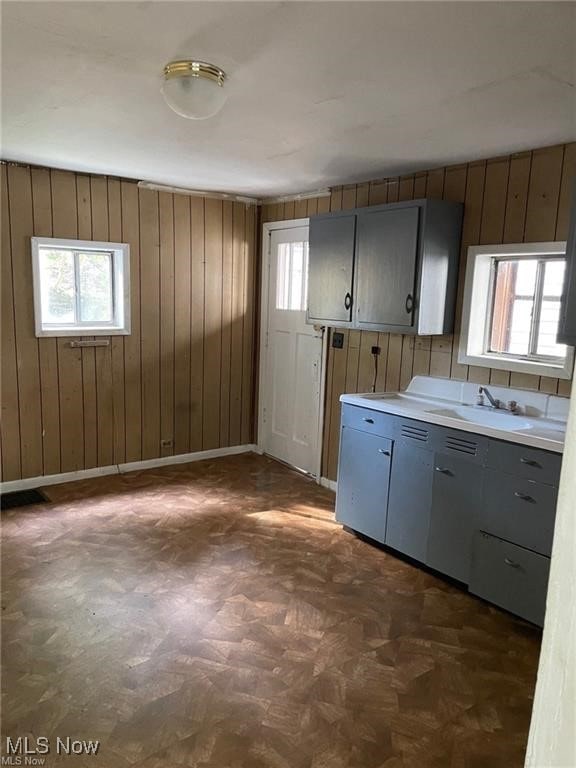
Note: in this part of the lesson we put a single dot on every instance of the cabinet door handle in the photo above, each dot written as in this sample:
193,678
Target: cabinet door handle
511,563
347,301
368,421
530,462
524,496
409,303
443,470
386,453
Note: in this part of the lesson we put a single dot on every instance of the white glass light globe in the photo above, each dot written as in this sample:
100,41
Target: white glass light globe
196,98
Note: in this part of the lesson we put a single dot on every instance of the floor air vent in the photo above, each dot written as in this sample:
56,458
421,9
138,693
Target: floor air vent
461,445
22,499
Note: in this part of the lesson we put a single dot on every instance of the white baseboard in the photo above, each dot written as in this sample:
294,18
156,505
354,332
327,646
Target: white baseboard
185,458
331,484
116,469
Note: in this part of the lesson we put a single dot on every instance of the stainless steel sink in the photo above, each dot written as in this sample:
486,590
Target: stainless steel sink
485,416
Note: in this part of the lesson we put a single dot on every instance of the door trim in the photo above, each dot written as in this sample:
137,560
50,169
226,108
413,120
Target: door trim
267,229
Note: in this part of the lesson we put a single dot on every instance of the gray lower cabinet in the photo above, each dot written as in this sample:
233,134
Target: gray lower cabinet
456,499
519,510
363,479
479,510
410,498
510,576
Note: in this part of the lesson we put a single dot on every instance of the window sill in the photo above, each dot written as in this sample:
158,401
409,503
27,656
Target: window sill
519,365
78,332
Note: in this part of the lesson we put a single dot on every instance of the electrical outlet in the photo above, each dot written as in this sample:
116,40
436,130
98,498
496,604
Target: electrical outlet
166,443
337,340
375,350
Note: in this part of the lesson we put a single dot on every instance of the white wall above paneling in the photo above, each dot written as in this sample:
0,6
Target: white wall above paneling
320,93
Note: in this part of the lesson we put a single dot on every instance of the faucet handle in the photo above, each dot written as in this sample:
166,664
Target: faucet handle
512,406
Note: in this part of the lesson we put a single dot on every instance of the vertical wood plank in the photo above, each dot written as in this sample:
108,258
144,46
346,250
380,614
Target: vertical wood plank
248,359
166,223
196,322
103,355
132,361
182,269
226,322
517,197
237,334
88,355
117,342
543,194
365,378
11,430
394,362
212,324
47,347
494,205
149,321
65,224
566,191
435,184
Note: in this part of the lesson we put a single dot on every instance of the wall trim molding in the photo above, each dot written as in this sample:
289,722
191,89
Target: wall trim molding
326,483
121,469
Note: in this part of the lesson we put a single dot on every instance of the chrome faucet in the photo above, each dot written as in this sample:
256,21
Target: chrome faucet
495,403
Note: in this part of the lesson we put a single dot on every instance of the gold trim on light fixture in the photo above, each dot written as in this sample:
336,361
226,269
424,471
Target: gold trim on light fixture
192,68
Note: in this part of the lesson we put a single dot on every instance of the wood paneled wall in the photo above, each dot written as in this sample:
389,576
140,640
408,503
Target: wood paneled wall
520,198
186,372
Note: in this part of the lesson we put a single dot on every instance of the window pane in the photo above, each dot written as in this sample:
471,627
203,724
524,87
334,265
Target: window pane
554,278
514,290
548,330
57,286
292,276
95,278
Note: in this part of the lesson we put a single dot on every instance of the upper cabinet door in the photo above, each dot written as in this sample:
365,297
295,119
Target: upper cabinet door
330,269
386,254
567,327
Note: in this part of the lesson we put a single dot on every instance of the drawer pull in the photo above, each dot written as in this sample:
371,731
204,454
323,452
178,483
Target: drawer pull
530,462
347,301
386,453
368,421
524,497
511,563
443,470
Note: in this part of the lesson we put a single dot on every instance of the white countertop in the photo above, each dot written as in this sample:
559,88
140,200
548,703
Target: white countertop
541,422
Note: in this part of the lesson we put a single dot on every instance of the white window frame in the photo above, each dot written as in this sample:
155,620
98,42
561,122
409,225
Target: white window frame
120,324
477,309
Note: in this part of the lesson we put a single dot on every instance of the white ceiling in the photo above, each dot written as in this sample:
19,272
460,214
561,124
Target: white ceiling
320,93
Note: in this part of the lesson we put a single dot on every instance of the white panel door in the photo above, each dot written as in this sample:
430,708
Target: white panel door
292,356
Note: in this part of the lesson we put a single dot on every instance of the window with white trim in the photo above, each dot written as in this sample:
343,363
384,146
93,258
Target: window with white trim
511,311
81,287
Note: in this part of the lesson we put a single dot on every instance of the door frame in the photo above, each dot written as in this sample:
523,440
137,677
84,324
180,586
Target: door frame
267,229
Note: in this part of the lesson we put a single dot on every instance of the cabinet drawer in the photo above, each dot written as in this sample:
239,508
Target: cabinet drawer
509,576
519,510
375,422
531,463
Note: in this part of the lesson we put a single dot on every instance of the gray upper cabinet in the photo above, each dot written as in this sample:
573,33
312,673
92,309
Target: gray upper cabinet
567,328
386,254
330,269
389,267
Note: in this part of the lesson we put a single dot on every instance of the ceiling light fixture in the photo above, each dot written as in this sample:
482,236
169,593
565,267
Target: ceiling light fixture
194,89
